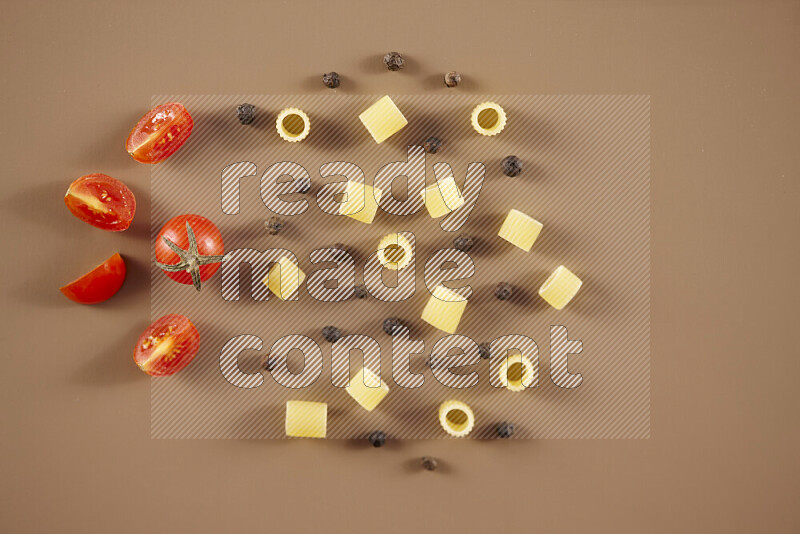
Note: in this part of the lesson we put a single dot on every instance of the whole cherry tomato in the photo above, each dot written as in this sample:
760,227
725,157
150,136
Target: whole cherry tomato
167,346
99,284
189,249
160,133
101,201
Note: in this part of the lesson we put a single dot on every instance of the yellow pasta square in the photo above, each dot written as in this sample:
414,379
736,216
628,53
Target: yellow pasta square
306,419
367,389
284,278
383,119
560,287
361,202
442,197
444,309
520,230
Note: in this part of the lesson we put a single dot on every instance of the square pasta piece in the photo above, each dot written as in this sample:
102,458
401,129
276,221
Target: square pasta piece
367,389
306,419
442,197
361,203
444,309
284,278
520,230
383,119
560,287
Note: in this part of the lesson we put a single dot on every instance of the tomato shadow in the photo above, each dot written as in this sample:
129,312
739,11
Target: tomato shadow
140,226
36,204
114,365
109,152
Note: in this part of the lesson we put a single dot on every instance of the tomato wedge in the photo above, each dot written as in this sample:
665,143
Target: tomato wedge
160,133
167,346
101,201
99,284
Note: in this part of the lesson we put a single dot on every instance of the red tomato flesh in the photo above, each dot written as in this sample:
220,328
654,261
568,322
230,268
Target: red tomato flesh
99,284
160,133
209,243
101,201
167,346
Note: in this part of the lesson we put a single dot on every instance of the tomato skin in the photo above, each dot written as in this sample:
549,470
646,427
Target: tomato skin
209,243
167,346
99,284
160,133
102,201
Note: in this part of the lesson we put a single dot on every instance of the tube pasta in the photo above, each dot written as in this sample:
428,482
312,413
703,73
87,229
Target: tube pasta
361,203
520,230
395,252
293,125
517,372
367,389
560,287
488,118
306,419
444,309
383,119
284,278
456,418
442,197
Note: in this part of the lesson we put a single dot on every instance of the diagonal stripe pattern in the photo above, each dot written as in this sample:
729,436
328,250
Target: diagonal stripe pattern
586,177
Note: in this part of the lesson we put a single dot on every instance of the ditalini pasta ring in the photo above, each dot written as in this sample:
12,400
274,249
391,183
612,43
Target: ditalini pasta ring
488,118
560,287
456,418
517,372
395,252
293,125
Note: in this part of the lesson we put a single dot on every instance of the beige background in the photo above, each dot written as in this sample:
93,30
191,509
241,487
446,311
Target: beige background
722,457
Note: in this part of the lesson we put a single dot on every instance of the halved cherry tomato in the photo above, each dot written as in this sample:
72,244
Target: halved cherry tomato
209,243
101,201
160,133
167,346
99,284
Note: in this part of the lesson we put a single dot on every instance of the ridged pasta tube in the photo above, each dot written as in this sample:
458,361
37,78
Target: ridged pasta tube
367,389
444,309
395,252
488,118
520,230
293,125
442,197
560,287
383,119
456,418
306,419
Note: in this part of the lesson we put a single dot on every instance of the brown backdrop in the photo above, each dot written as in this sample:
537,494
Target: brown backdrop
722,78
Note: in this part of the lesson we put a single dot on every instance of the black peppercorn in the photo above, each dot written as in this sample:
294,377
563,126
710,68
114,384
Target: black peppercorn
303,185
394,61
246,113
273,225
484,351
392,326
432,145
463,243
360,292
429,464
452,78
512,166
505,430
331,79
503,291
268,362
377,438
331,333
